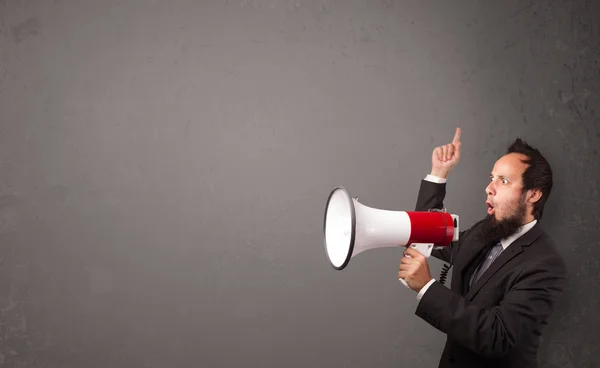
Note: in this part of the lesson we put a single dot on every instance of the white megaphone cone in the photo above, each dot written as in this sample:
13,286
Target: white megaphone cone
351,228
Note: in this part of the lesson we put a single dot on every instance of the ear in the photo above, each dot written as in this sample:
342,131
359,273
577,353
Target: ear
534,195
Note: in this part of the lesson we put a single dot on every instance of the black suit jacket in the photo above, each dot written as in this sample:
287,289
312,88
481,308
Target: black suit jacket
499,321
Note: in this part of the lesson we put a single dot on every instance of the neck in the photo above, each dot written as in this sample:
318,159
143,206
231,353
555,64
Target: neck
529,218
527,222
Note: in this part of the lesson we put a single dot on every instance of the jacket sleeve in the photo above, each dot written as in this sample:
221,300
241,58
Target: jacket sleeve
493,332
431,196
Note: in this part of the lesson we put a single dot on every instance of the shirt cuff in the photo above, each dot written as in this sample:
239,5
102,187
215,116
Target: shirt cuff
435,179
424,289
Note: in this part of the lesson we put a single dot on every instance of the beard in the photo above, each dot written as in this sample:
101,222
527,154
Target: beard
494,230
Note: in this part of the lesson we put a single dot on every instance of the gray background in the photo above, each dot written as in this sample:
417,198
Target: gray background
165,166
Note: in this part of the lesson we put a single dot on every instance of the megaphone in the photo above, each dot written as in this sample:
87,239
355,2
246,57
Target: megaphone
351,228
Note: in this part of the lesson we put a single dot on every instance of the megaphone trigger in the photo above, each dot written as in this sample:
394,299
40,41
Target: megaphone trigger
424,249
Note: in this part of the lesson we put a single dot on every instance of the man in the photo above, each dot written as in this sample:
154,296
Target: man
507,272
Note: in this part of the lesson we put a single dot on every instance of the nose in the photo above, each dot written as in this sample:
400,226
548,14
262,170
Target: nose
490,189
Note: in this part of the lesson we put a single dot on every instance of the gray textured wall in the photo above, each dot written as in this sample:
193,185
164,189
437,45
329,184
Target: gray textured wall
165,166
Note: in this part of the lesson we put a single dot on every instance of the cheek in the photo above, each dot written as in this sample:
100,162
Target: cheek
506,202
510,203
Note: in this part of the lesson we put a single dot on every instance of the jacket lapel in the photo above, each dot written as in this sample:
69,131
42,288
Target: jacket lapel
509,253
473,256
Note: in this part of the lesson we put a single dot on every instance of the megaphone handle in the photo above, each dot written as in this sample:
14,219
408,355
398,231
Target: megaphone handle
404,281
424,249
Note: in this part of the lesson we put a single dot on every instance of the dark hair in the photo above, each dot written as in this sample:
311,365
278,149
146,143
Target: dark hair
538,174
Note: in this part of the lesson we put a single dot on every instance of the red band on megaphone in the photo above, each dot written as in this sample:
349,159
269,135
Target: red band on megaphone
431,227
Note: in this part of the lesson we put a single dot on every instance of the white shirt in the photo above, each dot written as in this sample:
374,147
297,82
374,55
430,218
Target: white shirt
505,242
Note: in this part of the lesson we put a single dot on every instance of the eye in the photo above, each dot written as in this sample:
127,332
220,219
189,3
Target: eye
504,181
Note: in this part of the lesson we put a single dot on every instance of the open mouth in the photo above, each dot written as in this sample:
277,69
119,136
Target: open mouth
490,208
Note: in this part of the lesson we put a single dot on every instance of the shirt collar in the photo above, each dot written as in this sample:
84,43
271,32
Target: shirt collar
522,230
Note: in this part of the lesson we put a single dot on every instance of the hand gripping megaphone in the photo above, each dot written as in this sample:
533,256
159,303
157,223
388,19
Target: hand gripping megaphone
351,228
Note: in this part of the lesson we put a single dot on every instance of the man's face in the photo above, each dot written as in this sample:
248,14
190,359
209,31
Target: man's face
507,206
505,199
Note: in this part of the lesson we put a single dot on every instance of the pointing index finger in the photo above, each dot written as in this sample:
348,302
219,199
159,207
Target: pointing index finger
456,136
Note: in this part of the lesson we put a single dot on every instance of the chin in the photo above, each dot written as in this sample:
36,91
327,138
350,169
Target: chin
497,227
493,217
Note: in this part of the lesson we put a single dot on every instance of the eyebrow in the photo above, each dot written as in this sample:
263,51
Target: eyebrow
502,176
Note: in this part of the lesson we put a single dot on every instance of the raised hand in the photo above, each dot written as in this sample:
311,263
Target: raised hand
444,158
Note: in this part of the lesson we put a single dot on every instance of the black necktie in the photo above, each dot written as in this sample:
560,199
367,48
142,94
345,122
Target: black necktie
492,254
